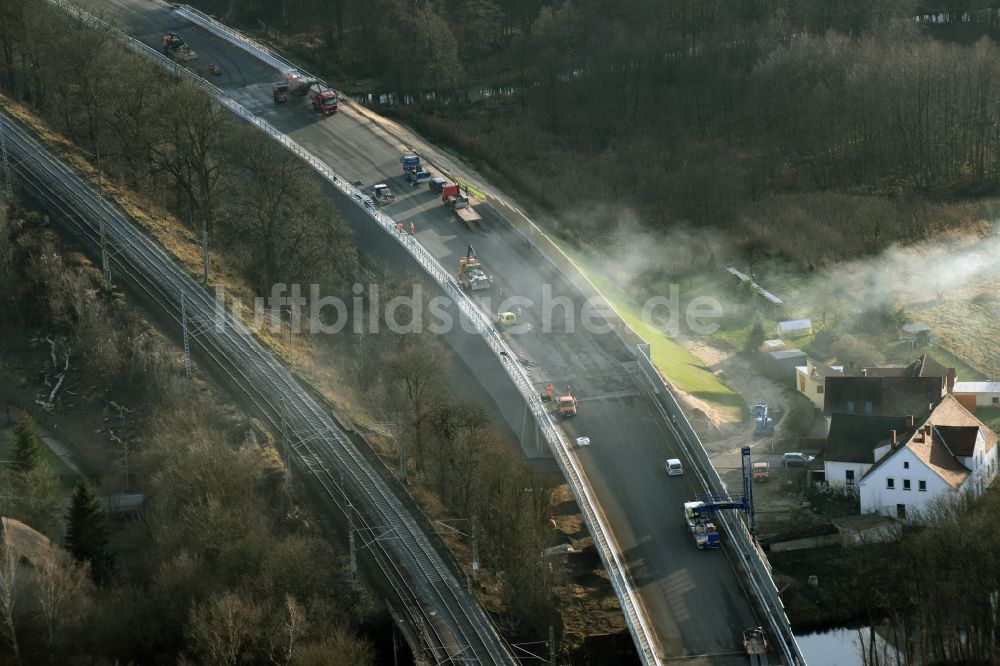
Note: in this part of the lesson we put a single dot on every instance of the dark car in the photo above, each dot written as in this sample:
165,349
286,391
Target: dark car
437,184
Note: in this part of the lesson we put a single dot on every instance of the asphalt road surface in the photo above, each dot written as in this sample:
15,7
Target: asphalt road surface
693,598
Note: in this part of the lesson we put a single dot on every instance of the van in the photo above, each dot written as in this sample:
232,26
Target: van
674,467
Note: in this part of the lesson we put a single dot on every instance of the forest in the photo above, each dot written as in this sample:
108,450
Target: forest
813,129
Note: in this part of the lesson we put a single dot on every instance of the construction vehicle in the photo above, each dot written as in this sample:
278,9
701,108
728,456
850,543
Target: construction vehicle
698,514
761,470
471,275
323,99
566,404
177,49
382,194
763,424
410,163
417,177
755,646
506,319
280,92
300,84
702,528
461,205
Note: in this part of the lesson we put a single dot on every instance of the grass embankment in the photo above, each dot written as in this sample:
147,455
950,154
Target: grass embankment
681,368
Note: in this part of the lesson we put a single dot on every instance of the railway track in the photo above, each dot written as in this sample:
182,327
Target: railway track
455,627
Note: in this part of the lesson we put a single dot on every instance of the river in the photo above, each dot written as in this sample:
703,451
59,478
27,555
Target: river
843,647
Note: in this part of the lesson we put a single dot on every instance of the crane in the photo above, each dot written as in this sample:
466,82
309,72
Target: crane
697,511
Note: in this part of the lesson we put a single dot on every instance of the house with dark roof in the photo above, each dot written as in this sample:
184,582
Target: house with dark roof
882,395
949,452
850,447
925,366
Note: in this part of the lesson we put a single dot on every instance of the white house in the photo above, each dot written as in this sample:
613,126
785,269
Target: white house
850,447
986,394
951,452
810,380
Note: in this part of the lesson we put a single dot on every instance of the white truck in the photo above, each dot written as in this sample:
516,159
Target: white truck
382,194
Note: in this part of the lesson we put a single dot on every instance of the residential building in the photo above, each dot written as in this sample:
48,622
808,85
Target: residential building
977,394
925,366
850,447
890,391
949,453
810,380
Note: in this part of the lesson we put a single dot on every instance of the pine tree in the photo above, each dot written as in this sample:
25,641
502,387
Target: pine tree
26,448
755,338
87,531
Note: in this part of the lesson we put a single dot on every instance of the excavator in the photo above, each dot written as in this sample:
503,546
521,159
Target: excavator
471,275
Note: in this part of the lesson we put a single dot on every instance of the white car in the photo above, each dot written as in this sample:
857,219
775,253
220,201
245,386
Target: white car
796,459
583,441
674,467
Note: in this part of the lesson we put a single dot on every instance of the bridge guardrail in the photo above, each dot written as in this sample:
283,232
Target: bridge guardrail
240,40
751,558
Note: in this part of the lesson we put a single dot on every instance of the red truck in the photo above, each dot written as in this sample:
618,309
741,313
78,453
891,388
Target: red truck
324,100
461,205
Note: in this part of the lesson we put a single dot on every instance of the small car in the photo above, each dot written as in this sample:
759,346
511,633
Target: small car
796,459
674,467
437,184
583,441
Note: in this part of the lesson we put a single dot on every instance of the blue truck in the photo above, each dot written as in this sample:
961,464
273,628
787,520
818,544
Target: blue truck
411,163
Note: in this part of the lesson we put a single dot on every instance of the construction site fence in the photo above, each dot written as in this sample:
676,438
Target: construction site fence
609,552
746,549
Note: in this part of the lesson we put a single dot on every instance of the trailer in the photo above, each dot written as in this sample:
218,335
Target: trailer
469,216
755,646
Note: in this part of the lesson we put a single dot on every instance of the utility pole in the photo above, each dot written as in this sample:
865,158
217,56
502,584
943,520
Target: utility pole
402,451
9,193
286,443
204,250
552,646
105,264
350,541
187,344
125,447
475,551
